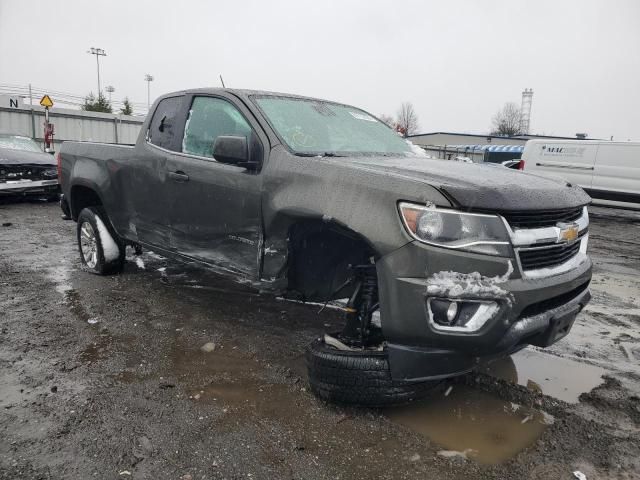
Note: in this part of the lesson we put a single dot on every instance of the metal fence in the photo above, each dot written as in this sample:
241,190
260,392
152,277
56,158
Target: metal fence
70,124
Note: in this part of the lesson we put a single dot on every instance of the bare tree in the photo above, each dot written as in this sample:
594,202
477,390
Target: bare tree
507,121
407,120
388,119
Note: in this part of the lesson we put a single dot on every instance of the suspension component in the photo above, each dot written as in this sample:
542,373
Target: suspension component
360,308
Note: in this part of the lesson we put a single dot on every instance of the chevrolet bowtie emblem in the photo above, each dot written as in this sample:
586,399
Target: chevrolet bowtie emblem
568,232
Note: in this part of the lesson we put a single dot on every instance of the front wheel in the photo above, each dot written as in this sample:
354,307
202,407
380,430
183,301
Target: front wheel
358,377
100,248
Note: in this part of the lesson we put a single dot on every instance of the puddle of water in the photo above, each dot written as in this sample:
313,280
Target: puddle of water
230,378
554,376
474,424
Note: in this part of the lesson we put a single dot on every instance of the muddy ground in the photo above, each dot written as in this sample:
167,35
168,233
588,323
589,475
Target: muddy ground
104,377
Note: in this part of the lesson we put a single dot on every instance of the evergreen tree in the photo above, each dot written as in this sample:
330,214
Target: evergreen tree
127,109
93,104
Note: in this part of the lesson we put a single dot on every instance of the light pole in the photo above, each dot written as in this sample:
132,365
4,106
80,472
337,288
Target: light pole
148,78
98,52
109,90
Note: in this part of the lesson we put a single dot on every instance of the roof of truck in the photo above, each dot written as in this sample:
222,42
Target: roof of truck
245,93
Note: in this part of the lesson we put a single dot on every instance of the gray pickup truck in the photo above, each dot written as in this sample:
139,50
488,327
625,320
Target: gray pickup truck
443,263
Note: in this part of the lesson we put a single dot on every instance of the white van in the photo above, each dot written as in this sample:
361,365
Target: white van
608,171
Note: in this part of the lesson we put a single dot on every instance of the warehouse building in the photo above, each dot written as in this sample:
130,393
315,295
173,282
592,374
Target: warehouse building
476,148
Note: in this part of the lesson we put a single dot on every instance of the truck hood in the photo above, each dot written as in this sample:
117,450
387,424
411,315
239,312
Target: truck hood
477,186
9,156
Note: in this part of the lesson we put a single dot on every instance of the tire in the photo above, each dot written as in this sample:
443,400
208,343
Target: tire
360,378
101,250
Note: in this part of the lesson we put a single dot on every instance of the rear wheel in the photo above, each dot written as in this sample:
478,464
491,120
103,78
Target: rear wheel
100,248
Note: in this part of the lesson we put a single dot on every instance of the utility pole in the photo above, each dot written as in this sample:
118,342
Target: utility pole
148,78
98,52
109,90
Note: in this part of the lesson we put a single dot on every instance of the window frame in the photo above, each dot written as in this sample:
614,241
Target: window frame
261,135
180,118
184,126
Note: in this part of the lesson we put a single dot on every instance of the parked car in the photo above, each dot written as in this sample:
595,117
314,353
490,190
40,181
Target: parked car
317,200
25,169
608,171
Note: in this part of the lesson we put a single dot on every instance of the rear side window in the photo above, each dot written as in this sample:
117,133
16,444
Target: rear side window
164,124
208,119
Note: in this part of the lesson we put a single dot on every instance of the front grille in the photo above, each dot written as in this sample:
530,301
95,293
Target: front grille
541,218
548,256
21,172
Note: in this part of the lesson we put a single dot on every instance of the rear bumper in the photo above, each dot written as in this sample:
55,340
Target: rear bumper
34,187
536,311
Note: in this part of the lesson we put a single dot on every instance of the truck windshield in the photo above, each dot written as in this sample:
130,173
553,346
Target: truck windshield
15,142
314,127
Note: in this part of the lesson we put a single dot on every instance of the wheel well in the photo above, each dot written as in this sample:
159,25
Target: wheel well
320,256
82,197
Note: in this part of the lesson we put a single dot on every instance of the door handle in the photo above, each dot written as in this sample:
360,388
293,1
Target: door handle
178,176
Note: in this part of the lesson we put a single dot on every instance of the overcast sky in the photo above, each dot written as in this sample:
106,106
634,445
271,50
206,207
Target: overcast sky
458,62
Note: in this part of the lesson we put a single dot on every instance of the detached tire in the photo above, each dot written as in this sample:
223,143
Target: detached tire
361,378
101,250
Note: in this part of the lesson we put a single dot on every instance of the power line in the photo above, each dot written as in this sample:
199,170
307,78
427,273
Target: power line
61,97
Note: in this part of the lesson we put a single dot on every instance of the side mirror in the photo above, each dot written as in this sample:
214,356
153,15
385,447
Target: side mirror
232,149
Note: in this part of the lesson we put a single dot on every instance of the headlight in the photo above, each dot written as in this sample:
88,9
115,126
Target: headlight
471,232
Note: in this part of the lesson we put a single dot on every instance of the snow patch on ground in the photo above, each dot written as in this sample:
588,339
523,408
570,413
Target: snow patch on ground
456,285
140,263
110,249
455,453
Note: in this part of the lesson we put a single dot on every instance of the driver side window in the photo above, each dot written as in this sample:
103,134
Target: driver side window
208,119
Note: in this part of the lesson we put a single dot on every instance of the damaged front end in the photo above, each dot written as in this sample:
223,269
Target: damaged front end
459,293
27,173
29,180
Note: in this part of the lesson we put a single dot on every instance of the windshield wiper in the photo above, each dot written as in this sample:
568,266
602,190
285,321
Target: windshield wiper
319,154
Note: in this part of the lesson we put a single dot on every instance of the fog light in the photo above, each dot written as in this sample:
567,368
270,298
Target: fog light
452,312
444,312
460,316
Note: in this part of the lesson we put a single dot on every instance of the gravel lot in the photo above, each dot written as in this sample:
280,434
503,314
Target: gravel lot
104,377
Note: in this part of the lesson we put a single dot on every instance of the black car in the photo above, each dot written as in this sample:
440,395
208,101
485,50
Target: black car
25,169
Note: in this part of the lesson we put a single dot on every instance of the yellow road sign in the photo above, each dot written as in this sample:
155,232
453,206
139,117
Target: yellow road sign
46,101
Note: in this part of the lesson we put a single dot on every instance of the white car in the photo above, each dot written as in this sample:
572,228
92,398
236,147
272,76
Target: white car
608,171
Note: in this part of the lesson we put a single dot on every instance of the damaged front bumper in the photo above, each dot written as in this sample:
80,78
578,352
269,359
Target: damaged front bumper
527,311
29,187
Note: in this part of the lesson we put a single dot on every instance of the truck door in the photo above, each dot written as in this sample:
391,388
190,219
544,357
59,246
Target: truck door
215,208
145,174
